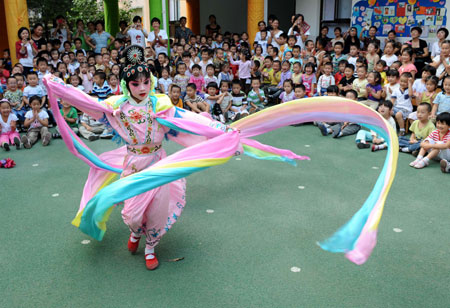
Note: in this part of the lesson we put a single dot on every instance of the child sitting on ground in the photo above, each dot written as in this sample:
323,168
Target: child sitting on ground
14,96
401,99
37,121
175,94
436,145
364,136
239,101
288,93
256,97
428,96
420,129
442,101
8,131
211,98
339,129
197,79
360,83
70,115
165,81
91,129
193,101
101,88
326,79
225,100
392,77
346,82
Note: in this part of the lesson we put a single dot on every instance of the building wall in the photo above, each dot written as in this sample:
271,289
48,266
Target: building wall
231,15
311,11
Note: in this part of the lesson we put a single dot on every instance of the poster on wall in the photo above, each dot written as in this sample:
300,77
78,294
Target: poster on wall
400,15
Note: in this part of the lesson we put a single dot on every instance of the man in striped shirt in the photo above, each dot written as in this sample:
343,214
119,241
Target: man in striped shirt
437,144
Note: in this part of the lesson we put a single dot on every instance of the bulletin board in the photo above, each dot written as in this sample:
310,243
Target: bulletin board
400,16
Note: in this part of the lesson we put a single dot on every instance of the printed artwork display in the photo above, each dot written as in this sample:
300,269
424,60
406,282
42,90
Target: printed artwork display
400,15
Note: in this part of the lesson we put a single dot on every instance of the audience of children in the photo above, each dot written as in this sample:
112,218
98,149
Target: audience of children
227,78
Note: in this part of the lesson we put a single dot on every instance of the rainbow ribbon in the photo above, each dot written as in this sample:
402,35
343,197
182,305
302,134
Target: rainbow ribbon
356,238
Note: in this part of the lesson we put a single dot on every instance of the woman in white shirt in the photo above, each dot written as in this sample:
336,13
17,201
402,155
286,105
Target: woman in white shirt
300,29
261,26
442,34
275,33
158,37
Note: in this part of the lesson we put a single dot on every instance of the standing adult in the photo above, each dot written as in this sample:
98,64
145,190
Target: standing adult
26,49
323,36
442,35
351,38
261,26
158,37
420,50
366,40
275,33
61,31
212,27
38,38
182,31
82,34
392,37
123,25
300,29
100,38
136,32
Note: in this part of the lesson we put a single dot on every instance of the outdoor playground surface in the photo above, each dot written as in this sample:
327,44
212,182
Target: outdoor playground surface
266,219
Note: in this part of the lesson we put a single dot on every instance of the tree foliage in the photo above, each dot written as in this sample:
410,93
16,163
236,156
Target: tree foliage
45,11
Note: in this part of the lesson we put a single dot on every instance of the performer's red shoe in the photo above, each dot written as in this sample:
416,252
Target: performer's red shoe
151,264
133,247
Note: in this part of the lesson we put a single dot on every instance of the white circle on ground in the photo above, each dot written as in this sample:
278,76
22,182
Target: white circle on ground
35,165
85,242
307,146
301,187
238,158
295,269
55,195
209,211
398,230
374,167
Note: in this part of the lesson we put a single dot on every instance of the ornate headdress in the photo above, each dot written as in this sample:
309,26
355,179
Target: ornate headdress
134,61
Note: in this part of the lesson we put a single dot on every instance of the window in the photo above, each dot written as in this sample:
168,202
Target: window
336,11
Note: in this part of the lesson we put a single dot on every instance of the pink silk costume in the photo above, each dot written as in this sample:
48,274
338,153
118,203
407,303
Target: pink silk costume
151,213
209,143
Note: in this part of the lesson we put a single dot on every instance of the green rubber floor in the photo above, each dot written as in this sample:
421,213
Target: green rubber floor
266,219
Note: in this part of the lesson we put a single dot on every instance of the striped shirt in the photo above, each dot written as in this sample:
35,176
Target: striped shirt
435,136
103,91
239,99
254,98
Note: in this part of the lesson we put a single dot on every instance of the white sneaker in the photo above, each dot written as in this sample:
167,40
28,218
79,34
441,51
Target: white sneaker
445,166
413,163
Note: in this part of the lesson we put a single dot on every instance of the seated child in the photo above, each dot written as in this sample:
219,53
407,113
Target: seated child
37,121
401,99
70,116
256,97
175,94
225,99
211,98
420,129
436,145
165,81
239,101
91,129
364,136
193,101
288,93
339,129
14,96
197,78
8,131
442,101
427,96
101,88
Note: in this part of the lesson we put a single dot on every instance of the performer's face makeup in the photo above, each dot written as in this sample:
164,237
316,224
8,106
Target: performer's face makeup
140,88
